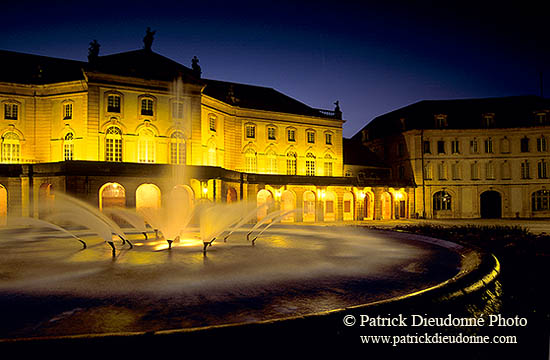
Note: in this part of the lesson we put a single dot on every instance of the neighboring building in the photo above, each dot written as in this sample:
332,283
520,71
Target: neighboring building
129,128
469,158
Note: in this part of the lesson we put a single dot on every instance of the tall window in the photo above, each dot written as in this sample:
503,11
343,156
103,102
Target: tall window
442,201
250,161
147,107
212,123
11,148
474,167
291,135
328,138
271,133
310,137
489,146
490,170
11,111
456,170
473,146
271,162
68,111
310,164
542,168
113,103
291,163
177,110
441,147
250,131
177,148
541,200
146,146
113,144
455,147
68,147
524,144
541,144
328,165
525,170
426,147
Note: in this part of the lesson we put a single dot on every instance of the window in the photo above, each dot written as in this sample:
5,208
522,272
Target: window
541,144
489,146
11,111
505,145
328,165
291,163
541,118
455,147
525,170
441,147
67,111
506,170
442,171
441,121
250,161
11,148
428,171
311,137
490,170
113,103
310,164
474,168
400,149
426,147
488,120
291,135
147,107
271,133
250,131
68,147
542,169
271,162
328,138
212,153
540,200
177,110
473,146
524,144
212,123
456,171
113,144
401,172
442,201
177,148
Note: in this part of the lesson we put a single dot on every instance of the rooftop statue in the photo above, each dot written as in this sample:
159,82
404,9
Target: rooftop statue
148,38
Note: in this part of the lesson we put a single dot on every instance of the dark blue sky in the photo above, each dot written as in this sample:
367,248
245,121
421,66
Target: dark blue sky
373,57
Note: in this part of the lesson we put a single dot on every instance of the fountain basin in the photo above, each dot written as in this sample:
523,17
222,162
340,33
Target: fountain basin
54,288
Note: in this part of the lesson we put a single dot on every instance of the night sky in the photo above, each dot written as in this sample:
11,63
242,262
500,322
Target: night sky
372,57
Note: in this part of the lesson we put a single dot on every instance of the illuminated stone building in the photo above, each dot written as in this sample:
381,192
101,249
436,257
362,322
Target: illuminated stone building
127,129
469,158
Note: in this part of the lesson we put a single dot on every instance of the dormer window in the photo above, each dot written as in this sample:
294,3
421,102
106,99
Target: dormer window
440,121
11,111
488,120
541,118
113,103
147,107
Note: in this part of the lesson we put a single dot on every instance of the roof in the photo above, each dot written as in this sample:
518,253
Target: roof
36,69
258,98
509,112
355,153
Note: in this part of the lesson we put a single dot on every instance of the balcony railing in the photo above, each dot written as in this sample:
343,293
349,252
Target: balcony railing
330,113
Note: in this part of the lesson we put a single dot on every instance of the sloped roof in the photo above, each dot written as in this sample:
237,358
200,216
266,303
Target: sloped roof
36,69
257,97
355,153
509,112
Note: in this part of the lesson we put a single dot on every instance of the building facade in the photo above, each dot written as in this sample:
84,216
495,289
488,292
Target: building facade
477,158
131,128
